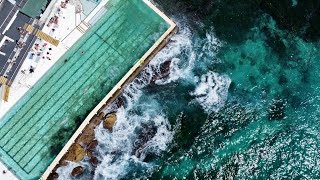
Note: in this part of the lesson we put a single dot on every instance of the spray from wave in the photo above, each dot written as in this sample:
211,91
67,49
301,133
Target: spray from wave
142,130
179,47
212,91
134,137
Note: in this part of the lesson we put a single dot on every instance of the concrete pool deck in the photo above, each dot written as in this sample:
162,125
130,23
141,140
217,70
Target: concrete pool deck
117,87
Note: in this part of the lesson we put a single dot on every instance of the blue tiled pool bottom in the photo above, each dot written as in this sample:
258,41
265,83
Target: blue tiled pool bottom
34,131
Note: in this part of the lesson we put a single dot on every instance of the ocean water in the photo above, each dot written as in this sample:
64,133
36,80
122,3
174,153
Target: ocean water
241,100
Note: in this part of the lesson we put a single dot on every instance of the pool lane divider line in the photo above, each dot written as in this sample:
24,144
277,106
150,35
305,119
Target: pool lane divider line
12,157
58,78
60,116
41,118
37,104
45,123
43,146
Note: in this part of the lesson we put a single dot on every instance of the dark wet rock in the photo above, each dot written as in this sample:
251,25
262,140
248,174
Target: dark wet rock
110,121
89,153
101,115
146,133
85,139
277,110
76,153
94,161
92,145
87,135
163,72
165,68
63,163
53,176
120,101
77,171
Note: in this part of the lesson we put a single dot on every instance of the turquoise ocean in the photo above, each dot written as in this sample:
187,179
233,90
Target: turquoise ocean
234,95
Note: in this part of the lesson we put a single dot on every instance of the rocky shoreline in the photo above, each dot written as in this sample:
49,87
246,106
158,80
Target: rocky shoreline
85,145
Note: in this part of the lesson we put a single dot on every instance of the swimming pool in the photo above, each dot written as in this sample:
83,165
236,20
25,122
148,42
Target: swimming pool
34,131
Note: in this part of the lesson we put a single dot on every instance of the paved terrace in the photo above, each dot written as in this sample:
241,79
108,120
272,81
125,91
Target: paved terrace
36,129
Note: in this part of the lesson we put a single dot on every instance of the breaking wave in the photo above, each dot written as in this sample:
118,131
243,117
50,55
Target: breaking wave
179,47
211,91
142,129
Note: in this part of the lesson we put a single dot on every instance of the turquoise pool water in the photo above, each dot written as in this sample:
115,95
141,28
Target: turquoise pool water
34,131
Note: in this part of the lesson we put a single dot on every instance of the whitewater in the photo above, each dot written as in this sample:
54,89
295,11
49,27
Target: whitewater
142,128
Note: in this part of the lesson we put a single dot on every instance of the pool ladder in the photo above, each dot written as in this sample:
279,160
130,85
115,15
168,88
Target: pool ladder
83,27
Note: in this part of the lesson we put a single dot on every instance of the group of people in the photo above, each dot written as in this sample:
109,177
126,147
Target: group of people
64,4
53,20
31,70
38,50
21,44
22,32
